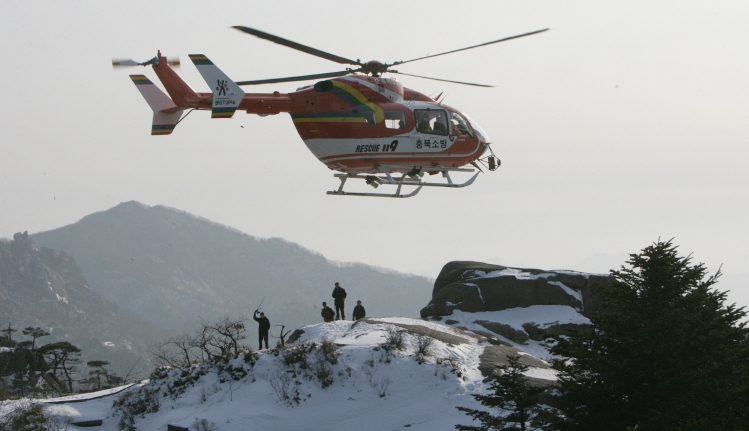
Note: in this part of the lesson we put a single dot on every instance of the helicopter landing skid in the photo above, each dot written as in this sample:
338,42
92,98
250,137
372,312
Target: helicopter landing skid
412,178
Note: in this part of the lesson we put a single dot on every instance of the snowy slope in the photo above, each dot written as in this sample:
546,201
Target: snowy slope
542,315
417,396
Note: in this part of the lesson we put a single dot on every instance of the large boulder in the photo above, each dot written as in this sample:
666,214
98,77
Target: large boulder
475,286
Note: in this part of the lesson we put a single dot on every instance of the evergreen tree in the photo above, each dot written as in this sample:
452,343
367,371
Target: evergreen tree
7,340
99,377
64,357
35,333
515,399
666,353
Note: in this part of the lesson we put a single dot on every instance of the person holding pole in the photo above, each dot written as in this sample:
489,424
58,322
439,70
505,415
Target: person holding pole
262,329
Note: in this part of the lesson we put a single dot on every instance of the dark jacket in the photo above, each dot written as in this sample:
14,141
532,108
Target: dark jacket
359,312
339,294
264,323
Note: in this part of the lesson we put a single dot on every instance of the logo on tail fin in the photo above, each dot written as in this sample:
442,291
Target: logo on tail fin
223,85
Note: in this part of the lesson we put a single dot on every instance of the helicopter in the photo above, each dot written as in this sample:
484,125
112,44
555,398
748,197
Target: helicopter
357,122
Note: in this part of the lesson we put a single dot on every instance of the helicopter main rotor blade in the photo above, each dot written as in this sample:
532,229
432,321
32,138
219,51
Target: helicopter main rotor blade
297,46
443,80
471,47
297,78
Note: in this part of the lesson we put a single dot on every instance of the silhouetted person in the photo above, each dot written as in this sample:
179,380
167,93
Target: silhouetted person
262,329
359,311
327,313
339,295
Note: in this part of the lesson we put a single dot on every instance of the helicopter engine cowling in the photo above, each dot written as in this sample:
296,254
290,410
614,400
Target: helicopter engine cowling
323,86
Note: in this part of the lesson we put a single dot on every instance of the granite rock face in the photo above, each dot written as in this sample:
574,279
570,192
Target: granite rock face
475,287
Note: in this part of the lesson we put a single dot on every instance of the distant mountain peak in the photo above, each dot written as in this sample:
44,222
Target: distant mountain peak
173,268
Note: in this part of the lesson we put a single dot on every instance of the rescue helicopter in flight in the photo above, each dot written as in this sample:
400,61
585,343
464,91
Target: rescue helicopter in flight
359,123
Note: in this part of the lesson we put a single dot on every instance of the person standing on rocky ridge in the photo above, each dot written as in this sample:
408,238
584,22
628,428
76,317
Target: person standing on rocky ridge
339,295
262,329
327,313
359,311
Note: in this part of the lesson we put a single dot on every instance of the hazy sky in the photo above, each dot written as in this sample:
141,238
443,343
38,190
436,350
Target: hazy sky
627,122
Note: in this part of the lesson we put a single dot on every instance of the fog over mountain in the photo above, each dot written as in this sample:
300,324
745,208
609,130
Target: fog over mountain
173,269
40,287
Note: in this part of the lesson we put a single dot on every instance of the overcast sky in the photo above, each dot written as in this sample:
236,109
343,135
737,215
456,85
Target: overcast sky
627,122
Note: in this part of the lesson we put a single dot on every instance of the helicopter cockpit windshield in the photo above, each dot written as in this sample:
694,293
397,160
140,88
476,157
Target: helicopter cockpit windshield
483,136
459,125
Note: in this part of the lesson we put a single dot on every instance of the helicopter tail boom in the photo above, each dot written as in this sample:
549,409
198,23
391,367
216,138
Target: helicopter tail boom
166,114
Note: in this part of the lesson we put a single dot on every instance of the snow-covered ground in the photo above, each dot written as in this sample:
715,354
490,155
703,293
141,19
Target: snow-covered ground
415,396
541,315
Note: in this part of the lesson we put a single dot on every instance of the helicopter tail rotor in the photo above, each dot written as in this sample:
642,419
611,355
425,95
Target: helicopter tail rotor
127,62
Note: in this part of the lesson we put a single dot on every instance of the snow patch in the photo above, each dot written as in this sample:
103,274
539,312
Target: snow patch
571,292
538,315
510,272
478,289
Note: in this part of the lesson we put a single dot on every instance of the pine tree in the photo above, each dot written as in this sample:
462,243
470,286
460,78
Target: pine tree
7,340
513,396
35,333
62,356
99,377
666,353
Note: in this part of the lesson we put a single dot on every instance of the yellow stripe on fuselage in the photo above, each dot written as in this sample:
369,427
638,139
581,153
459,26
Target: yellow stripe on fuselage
330,120
379,113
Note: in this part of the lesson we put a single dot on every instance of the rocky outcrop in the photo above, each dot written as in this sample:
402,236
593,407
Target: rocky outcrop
504,330
541,333
449,338
475,287
494,356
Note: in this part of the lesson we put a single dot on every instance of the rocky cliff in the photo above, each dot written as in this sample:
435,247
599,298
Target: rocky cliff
473,288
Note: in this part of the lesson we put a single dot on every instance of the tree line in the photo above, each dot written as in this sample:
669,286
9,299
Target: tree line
28,369
212,341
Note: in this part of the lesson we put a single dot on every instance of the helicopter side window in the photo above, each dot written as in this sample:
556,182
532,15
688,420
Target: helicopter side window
431,121
460,125
370,117
395,120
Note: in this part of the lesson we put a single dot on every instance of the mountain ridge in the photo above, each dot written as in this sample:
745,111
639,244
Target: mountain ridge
157,261
41,287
